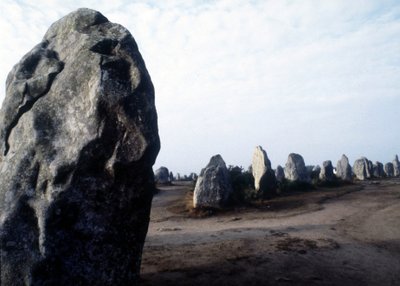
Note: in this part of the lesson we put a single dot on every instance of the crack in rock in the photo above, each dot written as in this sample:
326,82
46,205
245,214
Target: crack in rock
32,80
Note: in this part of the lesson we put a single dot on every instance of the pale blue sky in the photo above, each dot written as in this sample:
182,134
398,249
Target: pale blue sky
318,78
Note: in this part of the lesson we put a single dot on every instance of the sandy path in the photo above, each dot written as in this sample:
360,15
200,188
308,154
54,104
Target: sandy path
334,237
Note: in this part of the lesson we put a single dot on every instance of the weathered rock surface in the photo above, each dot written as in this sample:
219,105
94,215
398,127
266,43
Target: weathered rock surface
389,170
260,165
161,175
264,176
213,186
326,173
279,173
295,169
396,166
343,169
361,169
78,132
378,171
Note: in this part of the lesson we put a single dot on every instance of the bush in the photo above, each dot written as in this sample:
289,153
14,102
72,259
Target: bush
242,185
287,186
268,185
314,176
331,184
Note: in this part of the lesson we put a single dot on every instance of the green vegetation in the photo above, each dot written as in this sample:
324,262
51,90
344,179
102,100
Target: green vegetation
242,184
287,186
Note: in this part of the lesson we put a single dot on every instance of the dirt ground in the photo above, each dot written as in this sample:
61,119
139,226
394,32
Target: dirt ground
338,236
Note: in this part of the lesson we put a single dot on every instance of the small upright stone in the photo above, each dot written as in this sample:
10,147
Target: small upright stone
343,169
79,137
361,169
161,176
326,173
310,169
396,166
279,173
193,177
316,171
370,169
389,170
264,176
378,171
213,186
295,169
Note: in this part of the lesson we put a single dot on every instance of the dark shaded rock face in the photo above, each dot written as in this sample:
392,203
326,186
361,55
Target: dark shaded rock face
378,171
78,131
279,173
316,170
161,175
213,186
389,169
326,173
370,169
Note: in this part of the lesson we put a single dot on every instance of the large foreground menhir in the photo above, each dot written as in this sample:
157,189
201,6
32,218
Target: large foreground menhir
78,141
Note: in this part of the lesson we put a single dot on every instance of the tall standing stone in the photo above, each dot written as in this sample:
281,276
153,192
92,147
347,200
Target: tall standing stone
343,169
264,176
362,169
370,169
295,169
279,173
396,166
78,133
378,170
213,186
326,173
389,170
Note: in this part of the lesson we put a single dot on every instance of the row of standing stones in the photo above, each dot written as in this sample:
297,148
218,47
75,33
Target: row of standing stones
213,187
79,137
163,176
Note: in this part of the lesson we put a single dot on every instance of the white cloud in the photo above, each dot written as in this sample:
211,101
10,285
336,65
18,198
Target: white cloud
314,77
